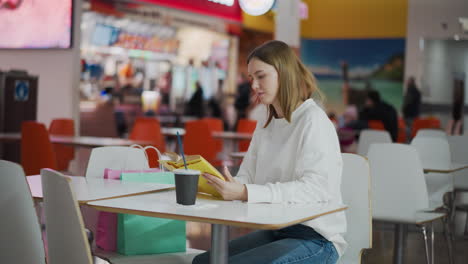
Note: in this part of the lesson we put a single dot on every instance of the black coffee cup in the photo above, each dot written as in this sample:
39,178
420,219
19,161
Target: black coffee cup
186,185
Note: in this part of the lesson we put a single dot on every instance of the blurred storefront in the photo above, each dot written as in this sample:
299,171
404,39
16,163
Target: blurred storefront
148,58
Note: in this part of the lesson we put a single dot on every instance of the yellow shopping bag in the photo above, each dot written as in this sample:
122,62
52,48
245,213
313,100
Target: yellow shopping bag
194,162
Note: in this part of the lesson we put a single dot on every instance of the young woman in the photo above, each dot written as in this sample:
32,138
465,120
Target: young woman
294,157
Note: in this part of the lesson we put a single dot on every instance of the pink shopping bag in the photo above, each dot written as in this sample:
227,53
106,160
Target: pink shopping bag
106,237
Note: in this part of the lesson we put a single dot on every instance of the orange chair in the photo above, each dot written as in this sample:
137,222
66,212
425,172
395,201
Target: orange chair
149,129
198,141
215,125
429,122
401,131
245,126
37,151
64,154
376,125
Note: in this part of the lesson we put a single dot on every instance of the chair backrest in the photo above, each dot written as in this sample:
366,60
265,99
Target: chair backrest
20,238
433,151
459,154
115,158
402,138
36,149
356,191
376,124
370,136
64,154
198,140
420,123
66,237
149,129
215,125
245,126
398,183
62,127
430,132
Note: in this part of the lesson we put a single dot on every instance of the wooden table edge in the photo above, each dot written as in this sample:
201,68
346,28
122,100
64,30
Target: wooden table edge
210,220
445,171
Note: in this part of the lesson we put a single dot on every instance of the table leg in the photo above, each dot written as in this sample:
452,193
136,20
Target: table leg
228,147
219,244
400,241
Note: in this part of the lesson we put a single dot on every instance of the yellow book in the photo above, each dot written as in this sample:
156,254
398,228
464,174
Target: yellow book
194,162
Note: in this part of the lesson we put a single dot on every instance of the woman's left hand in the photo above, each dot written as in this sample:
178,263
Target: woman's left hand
229,189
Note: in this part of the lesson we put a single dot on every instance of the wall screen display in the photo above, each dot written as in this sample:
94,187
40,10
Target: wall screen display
35,24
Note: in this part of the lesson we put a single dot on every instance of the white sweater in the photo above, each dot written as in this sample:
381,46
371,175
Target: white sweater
298,162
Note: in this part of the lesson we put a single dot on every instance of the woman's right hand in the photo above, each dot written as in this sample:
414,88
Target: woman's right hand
229,189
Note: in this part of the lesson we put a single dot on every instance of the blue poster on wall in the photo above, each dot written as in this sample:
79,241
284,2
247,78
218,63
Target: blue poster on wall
21,90
360,63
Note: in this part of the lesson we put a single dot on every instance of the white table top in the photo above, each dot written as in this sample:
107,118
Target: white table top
96,141
238,155
453,168
172,131
233,213
97,189
10,136
232,135
80,141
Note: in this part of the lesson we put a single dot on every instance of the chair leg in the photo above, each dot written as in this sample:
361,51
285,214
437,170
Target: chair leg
400,241
447,233
465,233
453,210
426,244
432,242
452,204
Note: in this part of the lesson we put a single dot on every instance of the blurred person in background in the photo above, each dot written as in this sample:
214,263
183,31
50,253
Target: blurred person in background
454,126
348,128
191,77
243,96
215,102
411,104
377,109
195,106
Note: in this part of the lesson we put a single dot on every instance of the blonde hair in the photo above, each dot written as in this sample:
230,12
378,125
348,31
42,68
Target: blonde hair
296,82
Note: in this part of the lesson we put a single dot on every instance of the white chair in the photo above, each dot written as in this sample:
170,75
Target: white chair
65,229
20,238
115,158
434,153
459,154
66,237
370,136
120,157
355,188
427,132
399,195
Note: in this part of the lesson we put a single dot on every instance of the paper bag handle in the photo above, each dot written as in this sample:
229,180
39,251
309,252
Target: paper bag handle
161,167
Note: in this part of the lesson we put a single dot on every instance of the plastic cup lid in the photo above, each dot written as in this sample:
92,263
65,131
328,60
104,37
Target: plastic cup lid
186,172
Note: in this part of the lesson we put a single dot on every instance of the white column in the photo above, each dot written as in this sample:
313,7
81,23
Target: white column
288,24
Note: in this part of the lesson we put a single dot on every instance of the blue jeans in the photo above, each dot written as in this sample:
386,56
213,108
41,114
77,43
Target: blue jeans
297,244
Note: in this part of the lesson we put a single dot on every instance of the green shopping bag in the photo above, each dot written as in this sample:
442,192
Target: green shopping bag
142,235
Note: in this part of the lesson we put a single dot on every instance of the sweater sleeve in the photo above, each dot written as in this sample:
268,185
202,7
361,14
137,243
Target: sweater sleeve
319,151
246,171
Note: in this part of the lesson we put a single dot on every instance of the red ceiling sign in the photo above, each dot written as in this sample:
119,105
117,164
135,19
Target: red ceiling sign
226,9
